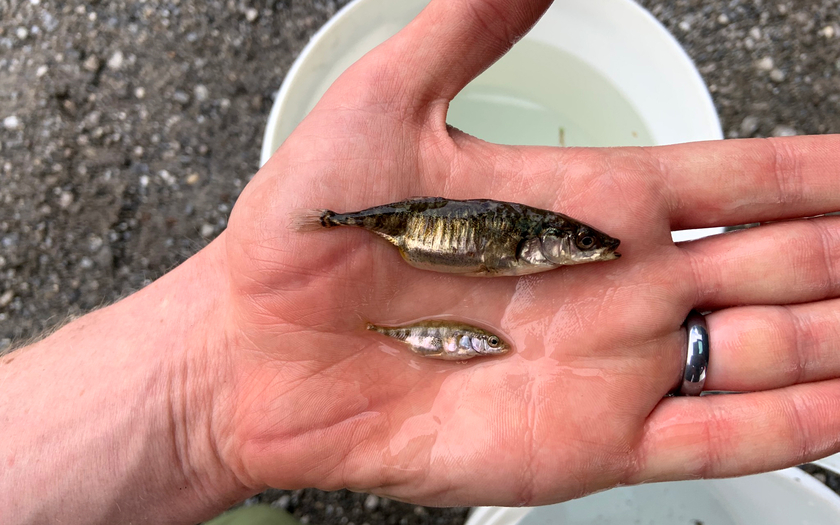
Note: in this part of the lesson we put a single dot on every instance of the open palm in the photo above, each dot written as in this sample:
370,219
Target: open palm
315,400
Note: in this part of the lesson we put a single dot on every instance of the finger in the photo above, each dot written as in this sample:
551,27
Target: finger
452,41
782,263
765,347
729,435
731,182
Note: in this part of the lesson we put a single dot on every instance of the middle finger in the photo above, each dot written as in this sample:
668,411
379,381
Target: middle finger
782,263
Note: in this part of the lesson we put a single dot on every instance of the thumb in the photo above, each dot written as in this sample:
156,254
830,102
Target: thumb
448,44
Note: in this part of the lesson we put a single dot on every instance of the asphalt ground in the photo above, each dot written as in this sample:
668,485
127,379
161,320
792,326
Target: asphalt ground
128,129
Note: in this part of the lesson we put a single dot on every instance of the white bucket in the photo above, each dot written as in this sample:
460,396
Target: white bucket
784,497
601,67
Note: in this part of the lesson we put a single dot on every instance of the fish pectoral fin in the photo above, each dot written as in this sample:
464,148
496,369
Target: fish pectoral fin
389,238
520,249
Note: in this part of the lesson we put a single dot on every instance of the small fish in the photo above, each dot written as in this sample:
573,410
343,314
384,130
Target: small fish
475,237
446,340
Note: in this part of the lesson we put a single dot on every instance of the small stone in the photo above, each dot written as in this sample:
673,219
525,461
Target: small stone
282,502
91,63
95,242
6,298
201,93
828,31
116,61
105,257
755,33
86,263
192,178
144,181
166,177
251,14
250,502
765,64
371,502
140,93
91,120
784,131
820,476
685,26
65,199
180,97
749,126
723,19
777,75
10,240
41,71
207,230
11,123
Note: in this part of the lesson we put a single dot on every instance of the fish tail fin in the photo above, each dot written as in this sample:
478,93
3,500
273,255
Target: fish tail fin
373,328
311,220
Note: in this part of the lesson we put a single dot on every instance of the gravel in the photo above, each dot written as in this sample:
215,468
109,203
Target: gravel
130,128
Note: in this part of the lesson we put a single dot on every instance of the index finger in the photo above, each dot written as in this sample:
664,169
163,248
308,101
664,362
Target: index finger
732,182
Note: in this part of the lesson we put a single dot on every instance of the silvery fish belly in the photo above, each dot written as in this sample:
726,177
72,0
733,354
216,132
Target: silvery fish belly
475,237
446,340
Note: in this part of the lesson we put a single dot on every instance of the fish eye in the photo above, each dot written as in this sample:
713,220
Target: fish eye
586,242
493,341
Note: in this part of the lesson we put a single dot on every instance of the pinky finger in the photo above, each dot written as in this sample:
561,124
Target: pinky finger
733,435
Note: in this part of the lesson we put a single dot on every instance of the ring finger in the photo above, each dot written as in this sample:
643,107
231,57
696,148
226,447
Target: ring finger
767,347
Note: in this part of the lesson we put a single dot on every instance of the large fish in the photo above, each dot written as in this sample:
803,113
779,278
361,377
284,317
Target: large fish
475,237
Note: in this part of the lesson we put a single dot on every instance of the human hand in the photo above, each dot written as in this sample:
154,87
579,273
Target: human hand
309,398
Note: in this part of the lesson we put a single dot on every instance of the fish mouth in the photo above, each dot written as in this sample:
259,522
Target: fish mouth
502,350
610,253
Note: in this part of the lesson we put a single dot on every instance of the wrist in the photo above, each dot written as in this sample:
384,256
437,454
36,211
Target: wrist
115,411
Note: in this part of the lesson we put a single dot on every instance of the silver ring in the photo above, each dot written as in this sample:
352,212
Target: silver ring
696,355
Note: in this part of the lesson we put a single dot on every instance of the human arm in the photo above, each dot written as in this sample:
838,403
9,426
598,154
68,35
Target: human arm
111,418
